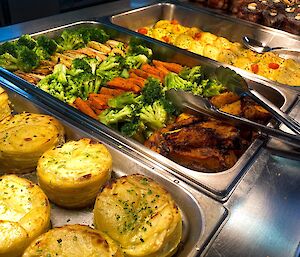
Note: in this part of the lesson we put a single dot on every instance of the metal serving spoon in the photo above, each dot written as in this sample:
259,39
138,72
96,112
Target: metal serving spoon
187,101
258,47
235,83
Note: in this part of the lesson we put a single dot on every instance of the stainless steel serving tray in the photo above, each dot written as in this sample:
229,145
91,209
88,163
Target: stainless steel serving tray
202,216
219,24
218,184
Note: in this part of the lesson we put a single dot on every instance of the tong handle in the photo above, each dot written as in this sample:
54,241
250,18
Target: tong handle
268,131
275,111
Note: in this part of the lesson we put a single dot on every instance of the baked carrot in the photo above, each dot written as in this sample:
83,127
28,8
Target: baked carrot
174,67
152,70
111,91
101,96
144,74
137,82
124,84
85,108
97,102
162,69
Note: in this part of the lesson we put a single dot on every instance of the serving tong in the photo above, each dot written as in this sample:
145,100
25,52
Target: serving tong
234,82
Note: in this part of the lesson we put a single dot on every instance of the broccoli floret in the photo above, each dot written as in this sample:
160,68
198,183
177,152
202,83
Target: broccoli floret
26,40
172,80
9,47
86,83
152,90
69,40
93,34
169,106
109,68
192,74
154,116
42,53
124,74
124,99
27,59
135,129
136,47
80,64
8,62
135,62
211,87
92,62
114,116
49,45
109,63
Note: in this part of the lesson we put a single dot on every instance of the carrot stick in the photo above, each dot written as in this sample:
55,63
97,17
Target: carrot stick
111,91
97,102
137,82
101,96
121,83
162,69
144,74
152,70
85,108
174,67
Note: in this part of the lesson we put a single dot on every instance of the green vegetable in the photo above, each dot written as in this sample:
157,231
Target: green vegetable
109,68
47,44
173,80
152,90
211,87
136,47
8,62
192,74
114,116
124,99
93,34
135,62
9,47
70,39
154,116
58,85
26,40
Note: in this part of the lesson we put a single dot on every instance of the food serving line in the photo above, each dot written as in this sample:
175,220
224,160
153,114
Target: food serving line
261,216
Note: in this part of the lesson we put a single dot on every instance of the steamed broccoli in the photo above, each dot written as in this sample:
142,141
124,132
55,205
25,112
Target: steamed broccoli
135,62
152,90
211,87
42,53
114,116
192,74
55,84
172,80
26,40
124,99
109,68
154,116
8,62
70,39
135,129
9,47
80,64
136,47
19,57
86,83
93,33
47,44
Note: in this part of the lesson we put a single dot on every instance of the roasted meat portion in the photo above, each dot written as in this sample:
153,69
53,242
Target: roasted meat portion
205,144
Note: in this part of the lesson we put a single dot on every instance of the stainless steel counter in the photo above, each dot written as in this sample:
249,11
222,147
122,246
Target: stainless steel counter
264,209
